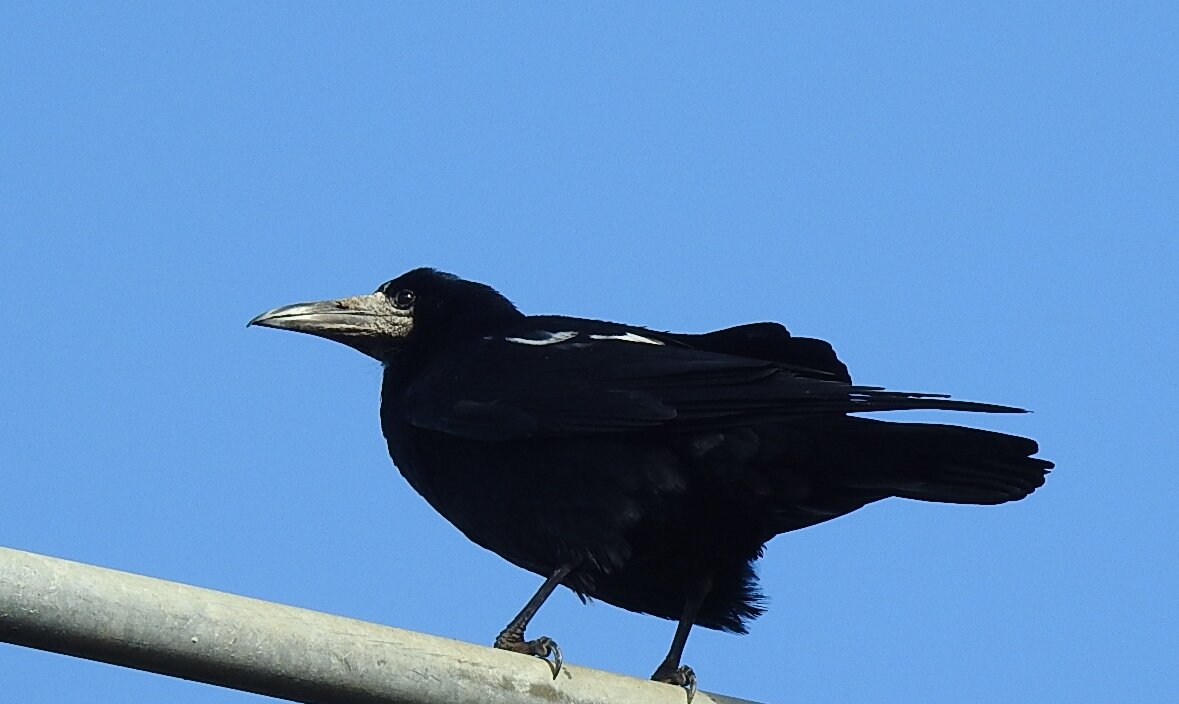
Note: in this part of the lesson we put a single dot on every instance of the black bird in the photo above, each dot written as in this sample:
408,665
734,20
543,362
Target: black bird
646,469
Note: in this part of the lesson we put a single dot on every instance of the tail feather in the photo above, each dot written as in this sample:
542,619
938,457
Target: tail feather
984,482
942,463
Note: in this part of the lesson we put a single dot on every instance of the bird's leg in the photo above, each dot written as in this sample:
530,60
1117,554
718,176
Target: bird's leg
670,670
512,636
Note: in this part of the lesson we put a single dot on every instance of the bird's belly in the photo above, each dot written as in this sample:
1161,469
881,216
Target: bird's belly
540,503
637,519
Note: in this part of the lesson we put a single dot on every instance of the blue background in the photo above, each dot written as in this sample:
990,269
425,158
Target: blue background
980,200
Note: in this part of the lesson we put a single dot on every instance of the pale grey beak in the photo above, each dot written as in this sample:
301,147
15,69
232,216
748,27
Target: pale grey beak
370,324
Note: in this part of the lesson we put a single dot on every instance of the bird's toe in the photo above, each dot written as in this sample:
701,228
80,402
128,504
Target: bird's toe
682,676
543,648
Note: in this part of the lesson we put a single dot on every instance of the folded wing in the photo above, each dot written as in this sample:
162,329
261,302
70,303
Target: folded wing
498,389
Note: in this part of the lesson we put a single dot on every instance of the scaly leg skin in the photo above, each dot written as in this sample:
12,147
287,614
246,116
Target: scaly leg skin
512,636
670,670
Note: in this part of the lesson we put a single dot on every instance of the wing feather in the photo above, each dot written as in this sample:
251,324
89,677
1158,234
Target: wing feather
497,390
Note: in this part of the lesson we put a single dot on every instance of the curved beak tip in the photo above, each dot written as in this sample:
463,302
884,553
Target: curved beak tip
260,319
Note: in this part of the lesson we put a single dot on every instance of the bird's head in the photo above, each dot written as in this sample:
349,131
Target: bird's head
420,306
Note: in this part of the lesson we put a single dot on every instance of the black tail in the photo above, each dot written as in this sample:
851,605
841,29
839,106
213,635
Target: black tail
944,463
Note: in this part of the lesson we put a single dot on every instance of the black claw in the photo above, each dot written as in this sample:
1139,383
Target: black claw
551,648
682,676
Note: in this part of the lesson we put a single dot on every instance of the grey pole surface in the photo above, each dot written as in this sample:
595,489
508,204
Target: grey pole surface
281,651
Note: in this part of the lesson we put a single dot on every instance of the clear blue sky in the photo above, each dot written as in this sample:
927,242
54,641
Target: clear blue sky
982,201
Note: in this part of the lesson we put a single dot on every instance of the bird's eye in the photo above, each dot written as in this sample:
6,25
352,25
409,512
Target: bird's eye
404,299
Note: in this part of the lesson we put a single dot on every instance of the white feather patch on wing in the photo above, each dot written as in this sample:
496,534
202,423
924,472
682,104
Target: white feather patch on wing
628,337
544,337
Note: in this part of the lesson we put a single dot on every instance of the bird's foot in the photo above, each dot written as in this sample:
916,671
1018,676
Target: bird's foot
543,648
682,676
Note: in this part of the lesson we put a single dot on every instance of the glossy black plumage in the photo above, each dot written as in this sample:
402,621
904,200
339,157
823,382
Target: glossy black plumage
655,465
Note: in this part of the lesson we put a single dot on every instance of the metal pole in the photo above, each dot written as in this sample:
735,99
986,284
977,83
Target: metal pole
281,651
